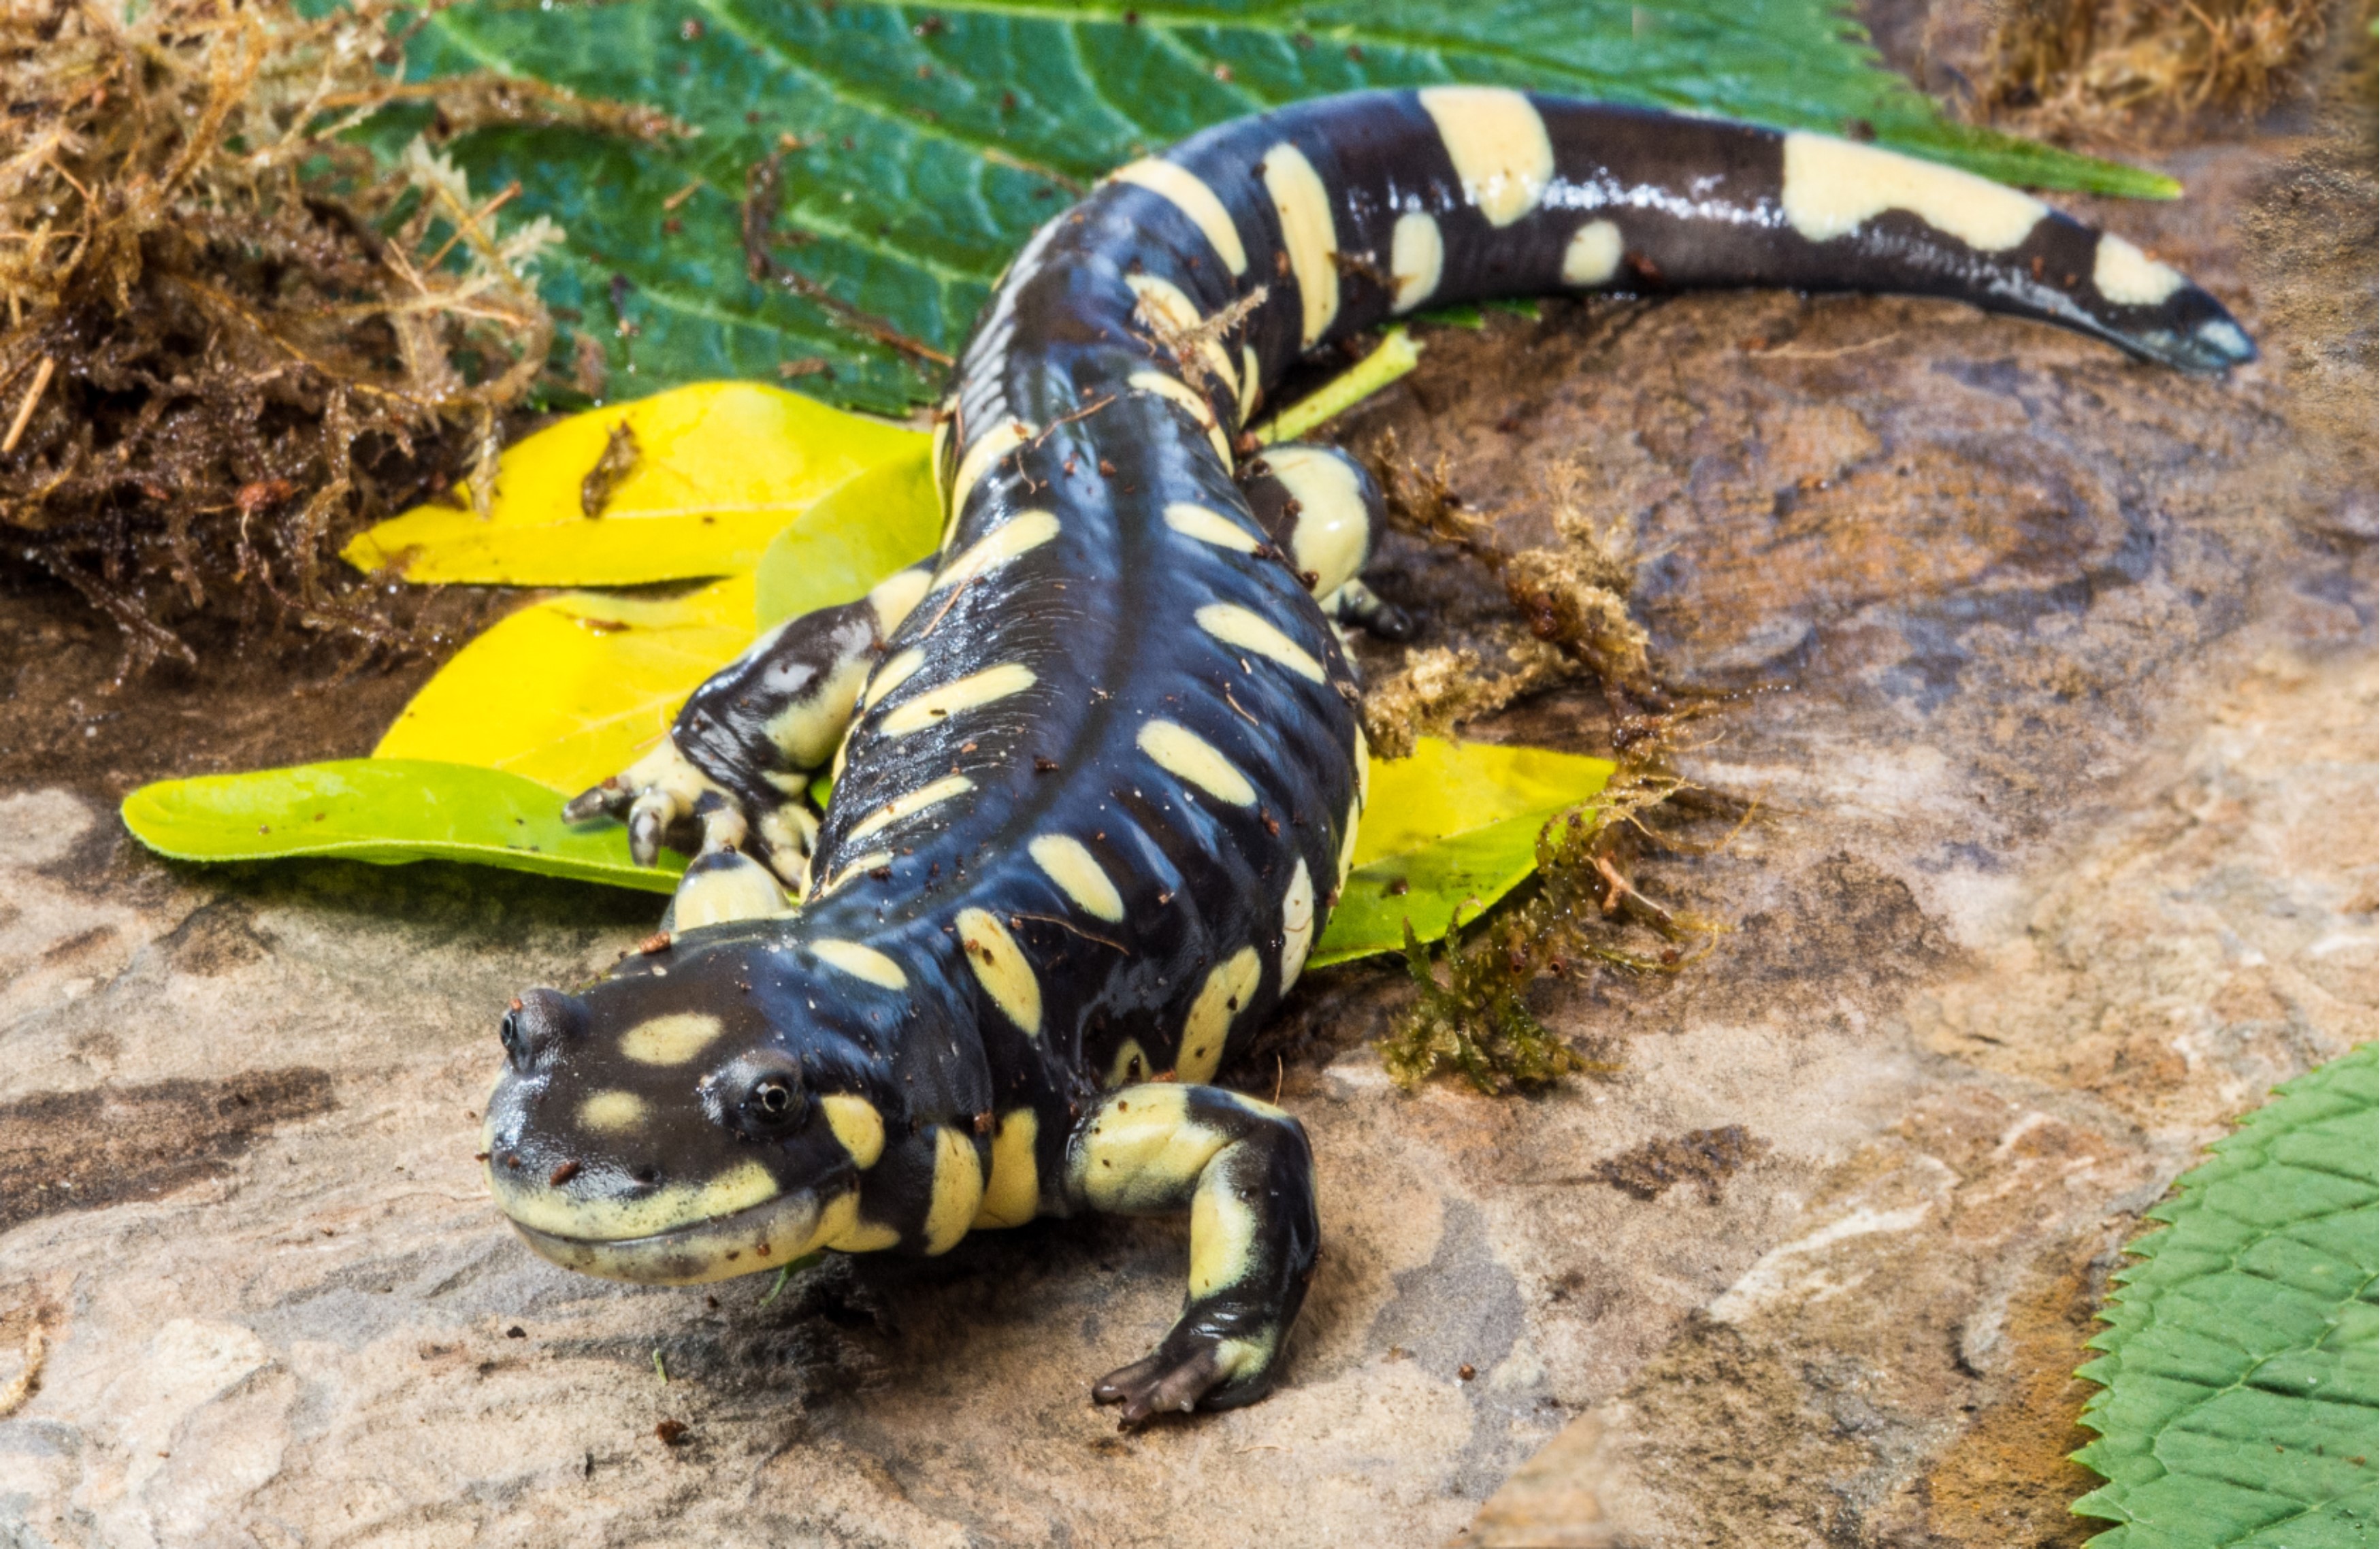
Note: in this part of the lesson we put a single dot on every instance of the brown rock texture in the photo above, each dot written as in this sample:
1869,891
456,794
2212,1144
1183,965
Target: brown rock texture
2054,678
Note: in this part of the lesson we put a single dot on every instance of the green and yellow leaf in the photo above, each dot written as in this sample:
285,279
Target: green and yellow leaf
1447,833
571,690
717,470
387,812
886,519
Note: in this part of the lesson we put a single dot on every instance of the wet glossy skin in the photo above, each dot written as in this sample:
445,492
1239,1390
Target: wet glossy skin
1103,780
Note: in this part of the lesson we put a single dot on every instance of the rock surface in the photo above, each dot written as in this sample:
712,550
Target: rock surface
2064,736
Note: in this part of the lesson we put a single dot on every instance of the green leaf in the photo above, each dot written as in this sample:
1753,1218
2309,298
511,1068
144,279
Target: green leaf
885,520
1445,832
934,138
387,812
2243,1365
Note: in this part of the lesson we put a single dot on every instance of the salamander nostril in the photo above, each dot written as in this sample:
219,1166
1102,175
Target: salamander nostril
645,1177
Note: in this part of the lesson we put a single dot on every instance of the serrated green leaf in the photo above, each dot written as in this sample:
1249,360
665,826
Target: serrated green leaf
387,812
932,139
2242,1363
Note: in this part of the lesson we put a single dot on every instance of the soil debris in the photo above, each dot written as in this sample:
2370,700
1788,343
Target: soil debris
621,455
1581,911
2132,68
234,332
1707,1158
1570,598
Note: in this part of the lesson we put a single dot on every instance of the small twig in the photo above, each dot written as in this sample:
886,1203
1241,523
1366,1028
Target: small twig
1084,413
680,197
1067,924
41,374
1397,356
785,1273
471,221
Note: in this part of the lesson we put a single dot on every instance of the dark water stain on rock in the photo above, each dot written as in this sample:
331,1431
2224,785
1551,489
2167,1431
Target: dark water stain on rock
62,1151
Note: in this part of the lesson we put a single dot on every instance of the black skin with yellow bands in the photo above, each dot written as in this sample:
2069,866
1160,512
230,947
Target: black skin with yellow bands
1100,787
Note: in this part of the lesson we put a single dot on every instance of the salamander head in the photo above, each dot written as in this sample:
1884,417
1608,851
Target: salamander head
655,1128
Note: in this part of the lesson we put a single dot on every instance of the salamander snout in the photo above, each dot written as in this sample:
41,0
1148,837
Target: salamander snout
540,1022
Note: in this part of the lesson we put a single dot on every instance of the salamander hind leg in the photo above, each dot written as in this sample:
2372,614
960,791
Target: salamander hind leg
1324,512
1243,1170
734,771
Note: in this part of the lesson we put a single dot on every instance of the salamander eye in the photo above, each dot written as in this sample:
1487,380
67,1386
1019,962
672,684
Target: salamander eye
760,1095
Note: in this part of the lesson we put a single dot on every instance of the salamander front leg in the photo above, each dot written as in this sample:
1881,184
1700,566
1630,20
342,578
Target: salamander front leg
1243,1170
736,765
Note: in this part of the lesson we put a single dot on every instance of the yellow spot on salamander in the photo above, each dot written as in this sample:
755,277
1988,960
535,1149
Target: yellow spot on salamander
999,964
1179,751
1189,398
1070,863
1243,629
1172,303
1209,527
1013,1195
1296,925
1225,994
612,1113
892,675
1593,256
1833,187
2128,277
858,1127
938,705
1190,195
958,1190
861,962
986,450
916,801
1021,534
1222,1236
671,1040
1307,234
1416,259
1497,144
1130,1064
1334,524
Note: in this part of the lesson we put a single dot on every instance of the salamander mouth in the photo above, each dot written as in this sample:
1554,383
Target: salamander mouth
764,1236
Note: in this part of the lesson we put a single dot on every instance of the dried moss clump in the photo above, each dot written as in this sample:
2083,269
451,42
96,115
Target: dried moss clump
1570,598
2109,66
1583,911
232,333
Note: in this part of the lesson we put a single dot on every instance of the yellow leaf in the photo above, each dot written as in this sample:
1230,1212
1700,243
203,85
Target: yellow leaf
572,689
1448,788
719,468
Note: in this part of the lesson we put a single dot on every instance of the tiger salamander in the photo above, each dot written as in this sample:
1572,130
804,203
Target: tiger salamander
1098,762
